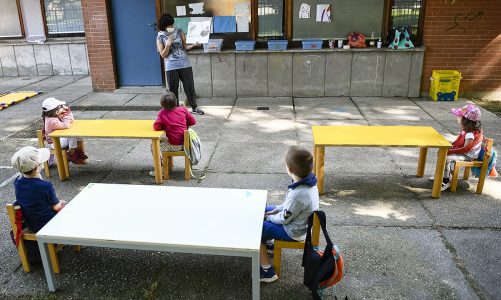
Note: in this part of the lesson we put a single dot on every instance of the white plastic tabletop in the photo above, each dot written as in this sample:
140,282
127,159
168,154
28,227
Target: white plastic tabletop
148,215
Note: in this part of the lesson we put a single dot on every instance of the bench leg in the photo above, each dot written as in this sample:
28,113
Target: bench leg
53,258
165,161
76,248
23,255
187,168
46,169
439,173
421,162
466,173
277,260
455,177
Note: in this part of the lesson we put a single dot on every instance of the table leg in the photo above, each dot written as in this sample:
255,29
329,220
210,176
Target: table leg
255,276
59,158
47,265
320,168
155,143
421,162
439,172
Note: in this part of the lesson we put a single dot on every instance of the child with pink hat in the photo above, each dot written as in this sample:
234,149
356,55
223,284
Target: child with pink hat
467,145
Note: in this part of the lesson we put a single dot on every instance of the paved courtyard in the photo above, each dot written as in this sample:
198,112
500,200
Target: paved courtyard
397,242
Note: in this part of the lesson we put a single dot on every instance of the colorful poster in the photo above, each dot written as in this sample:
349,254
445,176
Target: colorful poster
181,23
225,24
324,13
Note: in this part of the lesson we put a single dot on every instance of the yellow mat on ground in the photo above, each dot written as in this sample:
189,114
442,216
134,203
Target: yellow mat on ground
9,99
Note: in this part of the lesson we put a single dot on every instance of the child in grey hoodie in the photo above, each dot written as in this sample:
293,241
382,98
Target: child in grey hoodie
289,221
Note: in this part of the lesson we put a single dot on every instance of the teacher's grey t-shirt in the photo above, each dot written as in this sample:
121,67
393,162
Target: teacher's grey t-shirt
177,58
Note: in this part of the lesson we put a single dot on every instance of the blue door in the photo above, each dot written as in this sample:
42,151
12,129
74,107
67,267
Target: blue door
134,33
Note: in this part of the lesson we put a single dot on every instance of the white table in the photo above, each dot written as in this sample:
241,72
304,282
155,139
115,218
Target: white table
158,218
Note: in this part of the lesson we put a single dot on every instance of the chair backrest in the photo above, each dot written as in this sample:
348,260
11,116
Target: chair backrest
186,143
315,230
15,216
487,146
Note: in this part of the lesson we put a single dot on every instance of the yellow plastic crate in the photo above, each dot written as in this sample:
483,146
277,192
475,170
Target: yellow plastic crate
444,85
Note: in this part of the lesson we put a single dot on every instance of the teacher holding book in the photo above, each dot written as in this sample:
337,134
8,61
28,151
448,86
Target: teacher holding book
171,44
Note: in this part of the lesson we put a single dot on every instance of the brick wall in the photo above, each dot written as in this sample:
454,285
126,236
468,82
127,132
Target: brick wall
97,22
464,35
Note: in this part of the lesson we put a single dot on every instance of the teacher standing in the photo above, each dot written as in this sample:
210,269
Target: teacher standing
171,44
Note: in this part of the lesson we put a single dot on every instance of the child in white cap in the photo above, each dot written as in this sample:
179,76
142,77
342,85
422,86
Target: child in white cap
467,145
36,196
56,115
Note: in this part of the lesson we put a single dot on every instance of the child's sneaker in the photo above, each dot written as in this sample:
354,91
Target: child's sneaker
445,186
267,275
74,158
270,246
81,154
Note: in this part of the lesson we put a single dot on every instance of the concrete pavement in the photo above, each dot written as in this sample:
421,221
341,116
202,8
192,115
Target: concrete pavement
397,241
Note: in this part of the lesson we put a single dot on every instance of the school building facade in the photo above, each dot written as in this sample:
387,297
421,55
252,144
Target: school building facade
114,42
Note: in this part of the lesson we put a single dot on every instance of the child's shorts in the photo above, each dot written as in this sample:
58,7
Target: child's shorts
274,231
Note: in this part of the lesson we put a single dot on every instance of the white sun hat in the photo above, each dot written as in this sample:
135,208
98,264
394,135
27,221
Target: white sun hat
28,158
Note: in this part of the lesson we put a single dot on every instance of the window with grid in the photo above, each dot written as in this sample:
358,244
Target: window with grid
64,17
407,13
270,18
10,26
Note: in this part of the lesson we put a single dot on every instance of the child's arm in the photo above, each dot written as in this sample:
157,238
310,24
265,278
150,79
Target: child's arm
190,120
68,114
59,206
158,125
290,210
54,123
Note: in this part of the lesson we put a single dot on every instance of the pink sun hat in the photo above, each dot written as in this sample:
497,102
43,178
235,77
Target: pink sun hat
470,111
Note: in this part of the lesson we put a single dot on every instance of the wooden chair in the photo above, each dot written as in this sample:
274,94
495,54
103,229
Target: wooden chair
279,245
168,160
41,144
483,164
27,235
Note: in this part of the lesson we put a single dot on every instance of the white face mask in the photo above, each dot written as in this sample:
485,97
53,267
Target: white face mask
170,29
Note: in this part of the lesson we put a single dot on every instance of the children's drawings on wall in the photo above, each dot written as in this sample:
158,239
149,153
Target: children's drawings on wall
181,10
242,8
197,8
304,11
324,13
242,24
198,32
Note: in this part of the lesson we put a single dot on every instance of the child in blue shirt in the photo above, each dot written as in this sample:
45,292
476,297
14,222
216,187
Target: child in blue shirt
289,220
36,196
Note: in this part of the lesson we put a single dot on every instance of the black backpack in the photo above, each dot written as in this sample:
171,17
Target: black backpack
321,269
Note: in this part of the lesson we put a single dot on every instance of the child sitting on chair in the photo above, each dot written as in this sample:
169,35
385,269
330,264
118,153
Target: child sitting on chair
174,120
36,196
56,115
289,220
468,143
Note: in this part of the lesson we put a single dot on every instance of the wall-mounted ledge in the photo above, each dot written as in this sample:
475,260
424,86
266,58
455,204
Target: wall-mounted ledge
61,56
327,50
316,73
22,42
